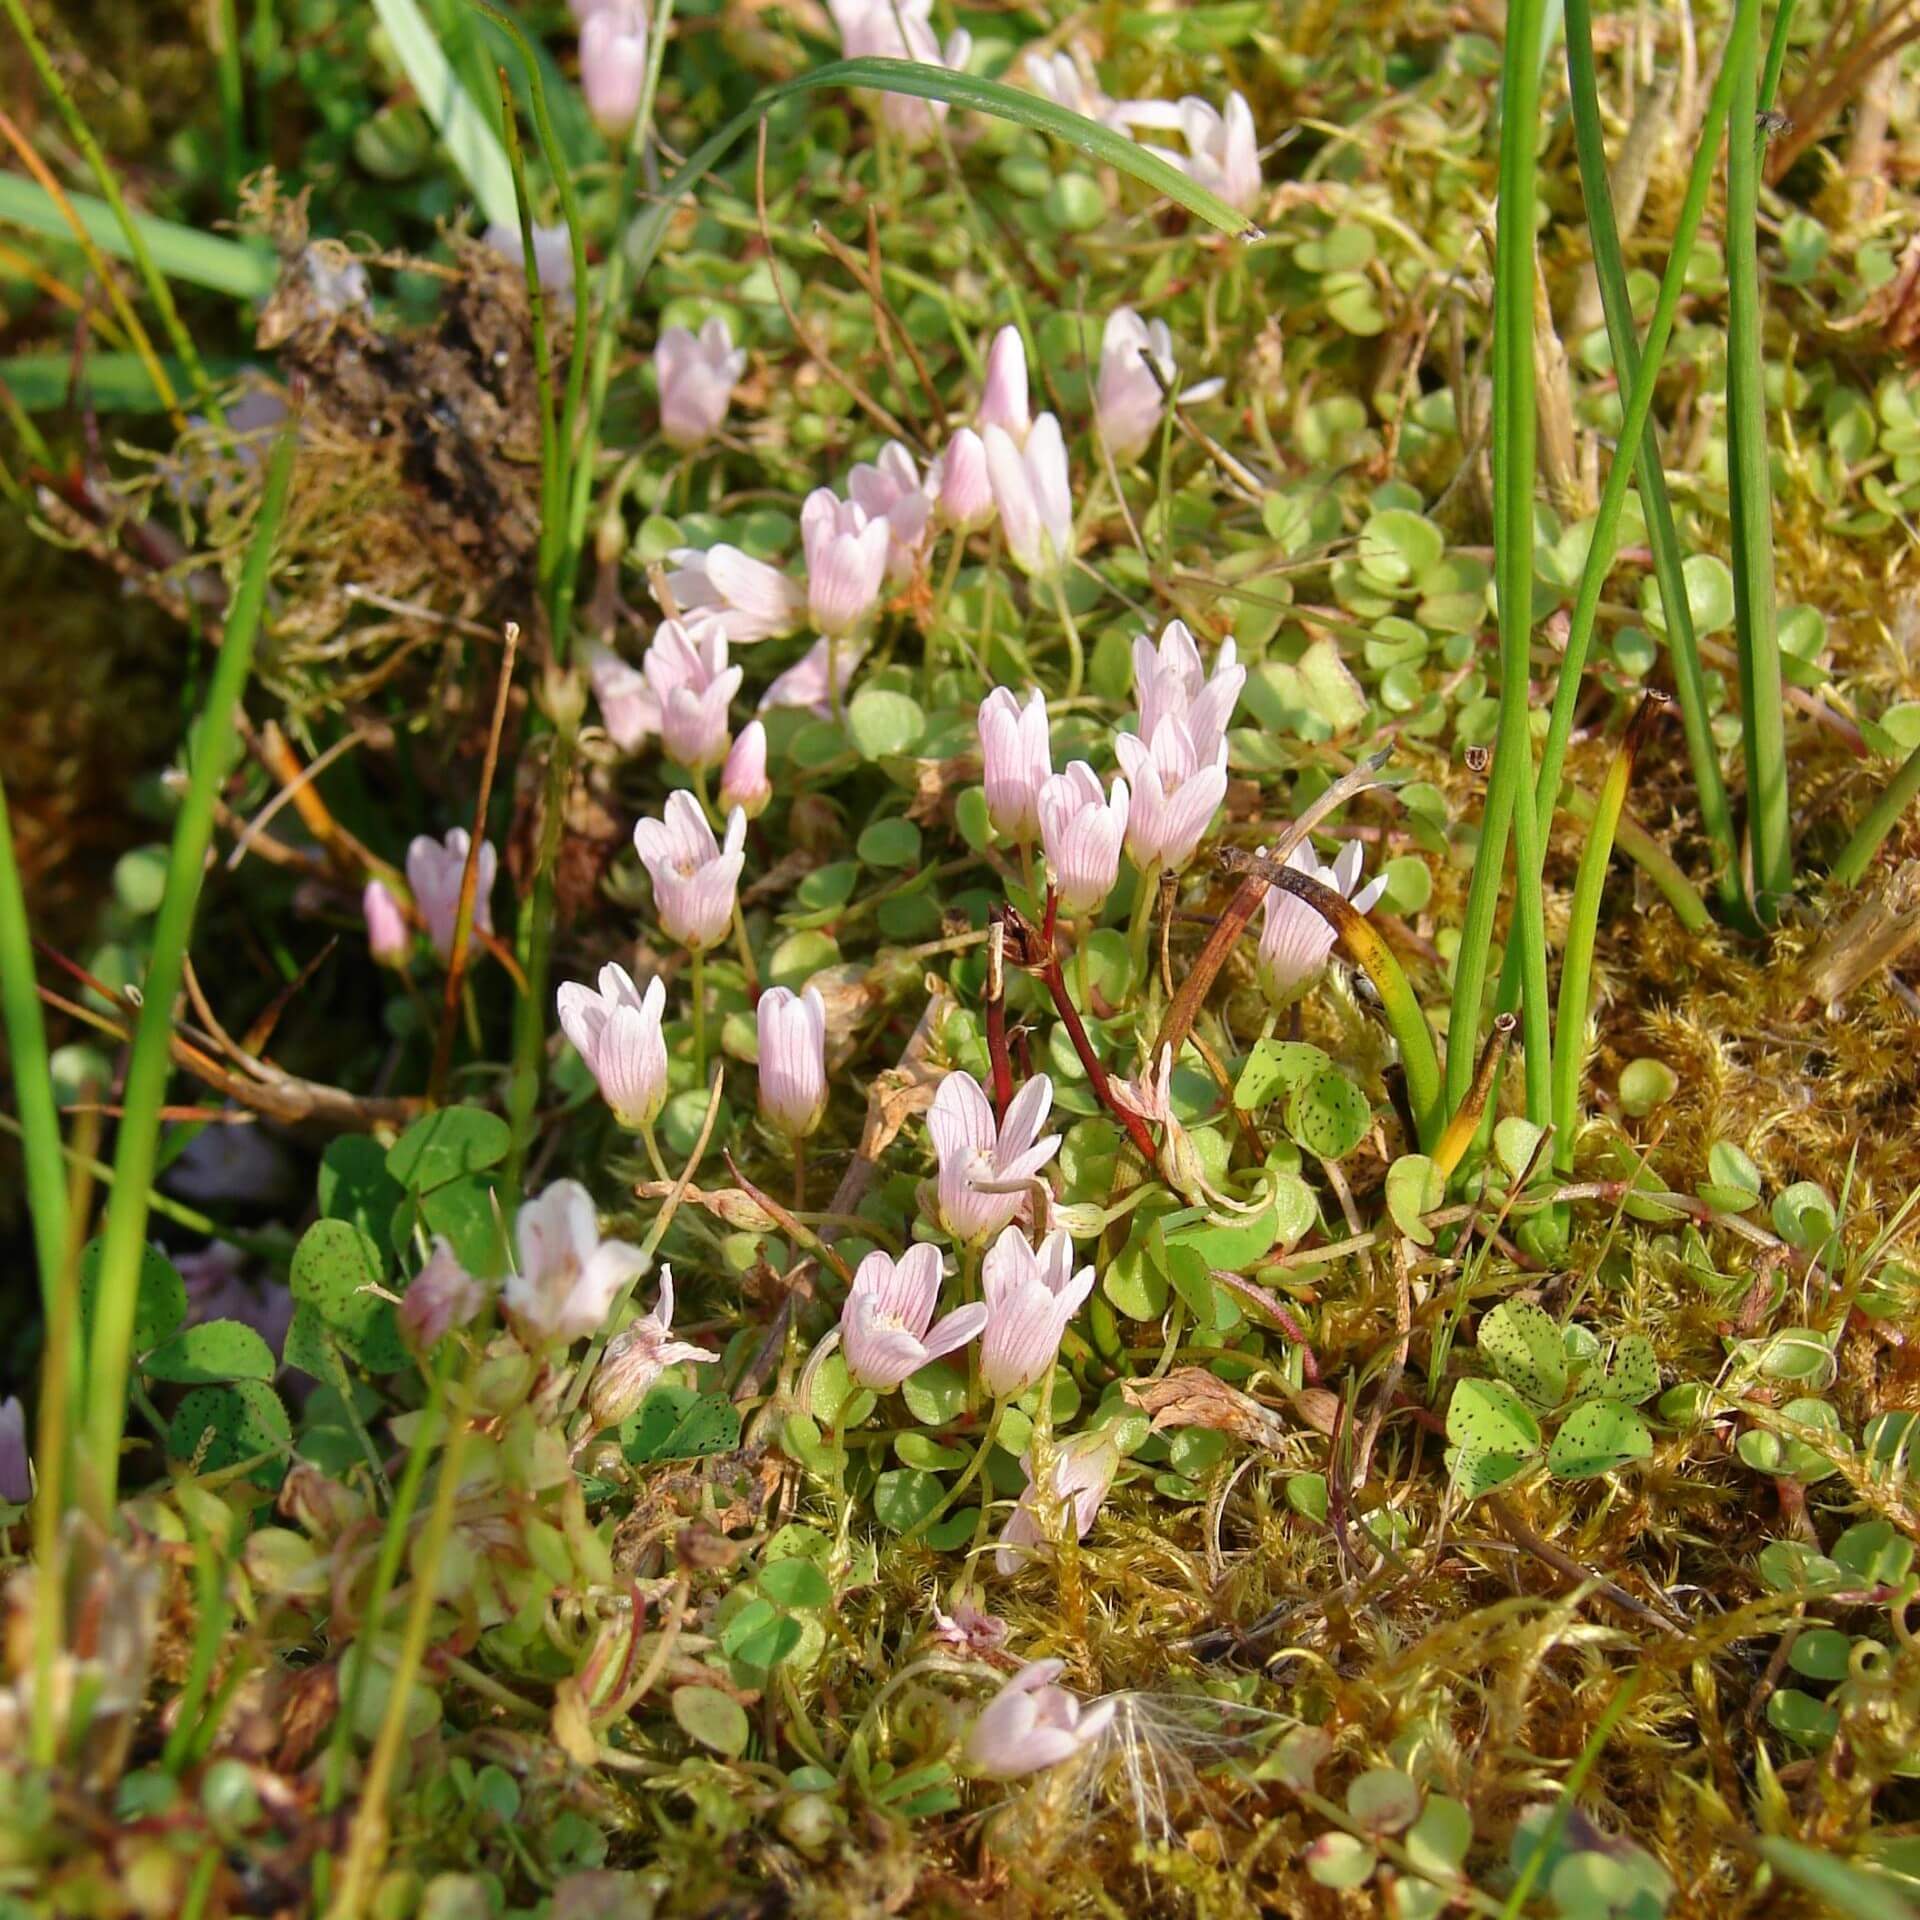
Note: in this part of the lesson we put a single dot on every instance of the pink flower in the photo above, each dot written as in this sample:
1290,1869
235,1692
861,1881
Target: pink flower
686,666
969,1628
743,780
1033,495
1128,401
1171,680
846,551
1294,939
1077,1484
1067,79
694,876
1030,1299
1174,798
959,482
389,938
629,708
636,1357
1082,829
1003,401
569,1277
697,377
793,1059
616,1031
751,600
891,489
871,27
441,1296
16,1465
434,870
975,1155
1222,153
1031,1724
825,671
1017,758
552,258
613,67
884,1325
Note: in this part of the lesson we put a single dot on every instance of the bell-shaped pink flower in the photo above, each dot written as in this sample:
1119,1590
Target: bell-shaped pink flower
884,1327
969,1628
1294,940
743,780
636,1357
1031,1724
819,678
1170,679
1016,755
616,1031
686,666
900,30
695,877
1003,401
1066,77
793,1059
697,375
568,1277
1030,1296
434,870
983,1166
1033,495
441,1296
751,600
16,1464
960,484
1174,798
1223,153
613,66
389,938
1128,401
629,707
1082,830
1076,1487
846,551
891,489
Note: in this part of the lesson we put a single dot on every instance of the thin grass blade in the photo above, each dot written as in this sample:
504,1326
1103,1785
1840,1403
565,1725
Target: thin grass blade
1750,486
213,749
1512,779
1611,273
181,253
469,139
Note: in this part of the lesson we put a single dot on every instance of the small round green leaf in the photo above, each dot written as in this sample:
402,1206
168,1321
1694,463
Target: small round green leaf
1328,1115
882,722
442,1146
214,1351
218,1427
713,1718
1595,1438
890,843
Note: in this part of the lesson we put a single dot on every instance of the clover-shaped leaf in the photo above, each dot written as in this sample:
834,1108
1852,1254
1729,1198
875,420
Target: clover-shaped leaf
1595,1438
1524,1345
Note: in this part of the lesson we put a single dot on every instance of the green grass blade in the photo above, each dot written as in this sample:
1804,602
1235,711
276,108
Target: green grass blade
1850,869
32,1078
1583,926
1512,778
113,382
922,82
465,132
1776,56
212,752
1750,485
247,272
131,231
1610,270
